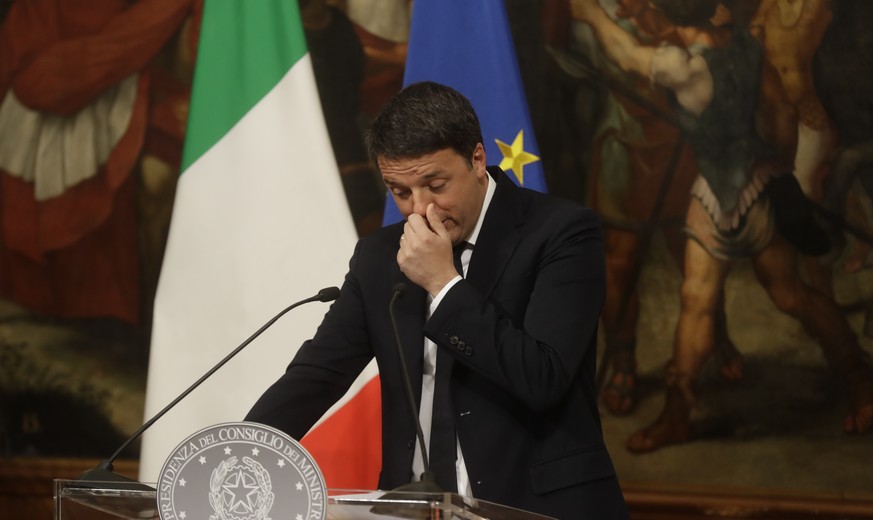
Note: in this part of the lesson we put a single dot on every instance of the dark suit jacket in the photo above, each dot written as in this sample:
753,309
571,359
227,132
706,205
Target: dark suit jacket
522,329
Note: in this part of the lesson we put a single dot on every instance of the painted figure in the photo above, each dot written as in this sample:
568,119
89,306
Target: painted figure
744,204
638,159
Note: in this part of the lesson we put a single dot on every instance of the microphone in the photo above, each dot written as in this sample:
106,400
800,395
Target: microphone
427,483
103,471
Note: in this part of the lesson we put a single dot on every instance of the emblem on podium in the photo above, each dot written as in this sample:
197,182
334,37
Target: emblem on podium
241,471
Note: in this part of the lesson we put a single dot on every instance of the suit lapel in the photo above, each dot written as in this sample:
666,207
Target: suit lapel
409,311
499,235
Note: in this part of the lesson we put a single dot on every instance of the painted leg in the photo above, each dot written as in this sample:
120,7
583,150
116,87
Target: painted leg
693,343
673,425
620,314
730,361
619,392
728,357
776,268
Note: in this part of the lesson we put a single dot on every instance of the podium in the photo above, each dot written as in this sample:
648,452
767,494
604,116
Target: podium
77,500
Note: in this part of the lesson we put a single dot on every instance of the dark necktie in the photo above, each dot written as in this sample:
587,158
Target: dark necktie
456,256
443,450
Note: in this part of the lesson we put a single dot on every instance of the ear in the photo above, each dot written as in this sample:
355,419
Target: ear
478,161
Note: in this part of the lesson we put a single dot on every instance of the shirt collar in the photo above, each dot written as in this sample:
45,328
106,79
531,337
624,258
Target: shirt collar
489,194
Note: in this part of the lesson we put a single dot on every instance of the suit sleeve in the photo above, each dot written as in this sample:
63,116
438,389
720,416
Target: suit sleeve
323,368
532,333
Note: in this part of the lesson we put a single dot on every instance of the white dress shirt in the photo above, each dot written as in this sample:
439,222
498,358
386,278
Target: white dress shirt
425,411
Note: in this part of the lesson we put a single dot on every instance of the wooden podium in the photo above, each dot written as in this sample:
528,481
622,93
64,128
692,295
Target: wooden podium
77,500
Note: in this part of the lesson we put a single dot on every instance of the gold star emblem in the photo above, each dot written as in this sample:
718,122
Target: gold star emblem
514,156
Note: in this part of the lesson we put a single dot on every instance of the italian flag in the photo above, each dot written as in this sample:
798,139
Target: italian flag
260,221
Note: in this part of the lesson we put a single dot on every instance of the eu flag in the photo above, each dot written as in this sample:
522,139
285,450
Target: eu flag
467,46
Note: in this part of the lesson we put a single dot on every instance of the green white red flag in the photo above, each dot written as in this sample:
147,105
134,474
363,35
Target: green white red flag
260,221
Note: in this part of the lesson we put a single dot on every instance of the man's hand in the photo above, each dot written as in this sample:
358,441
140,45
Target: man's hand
425,254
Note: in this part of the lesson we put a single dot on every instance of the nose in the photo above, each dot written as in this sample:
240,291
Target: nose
420,200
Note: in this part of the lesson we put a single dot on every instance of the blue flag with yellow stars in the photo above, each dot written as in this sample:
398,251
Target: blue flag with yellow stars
467,45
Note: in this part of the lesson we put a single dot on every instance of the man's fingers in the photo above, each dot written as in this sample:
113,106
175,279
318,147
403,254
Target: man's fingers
436,222
415,224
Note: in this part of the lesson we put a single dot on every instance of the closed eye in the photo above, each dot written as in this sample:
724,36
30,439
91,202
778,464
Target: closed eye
400,192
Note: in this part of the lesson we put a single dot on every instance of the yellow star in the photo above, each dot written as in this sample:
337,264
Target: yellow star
514,156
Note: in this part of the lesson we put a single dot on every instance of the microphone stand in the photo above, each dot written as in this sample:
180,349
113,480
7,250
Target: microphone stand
103,471
427,484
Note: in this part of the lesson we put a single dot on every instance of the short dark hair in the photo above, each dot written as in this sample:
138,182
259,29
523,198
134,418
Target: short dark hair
424,118
688,13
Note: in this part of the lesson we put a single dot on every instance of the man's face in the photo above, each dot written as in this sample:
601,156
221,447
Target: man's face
454,185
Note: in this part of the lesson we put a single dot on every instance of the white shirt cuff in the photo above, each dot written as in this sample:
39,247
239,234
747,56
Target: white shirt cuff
439,297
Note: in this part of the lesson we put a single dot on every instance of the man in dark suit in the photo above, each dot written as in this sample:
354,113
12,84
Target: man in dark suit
514,340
